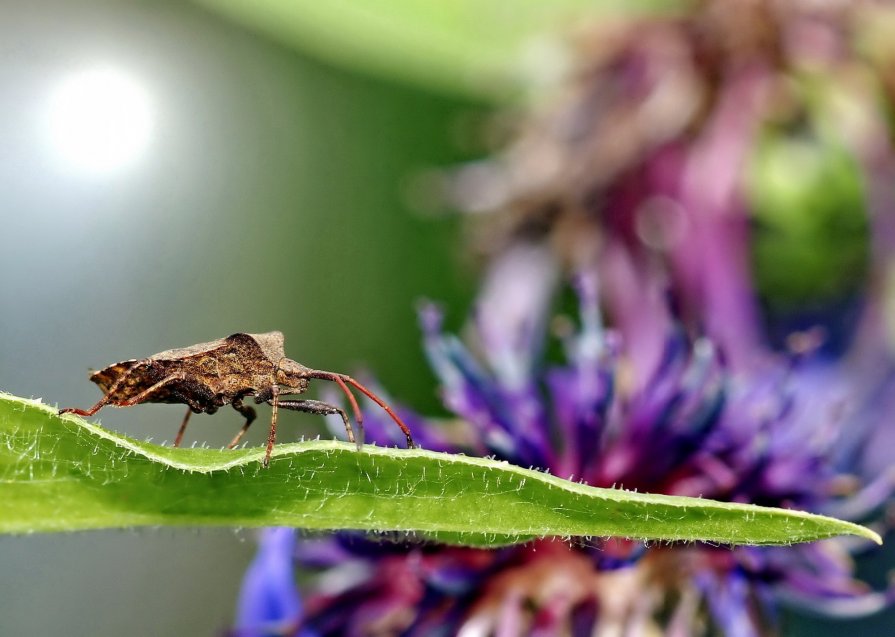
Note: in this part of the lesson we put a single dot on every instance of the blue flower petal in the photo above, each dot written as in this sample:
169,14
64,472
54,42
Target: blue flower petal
269,602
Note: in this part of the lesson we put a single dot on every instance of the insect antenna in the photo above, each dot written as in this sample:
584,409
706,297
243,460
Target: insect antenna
358,414
341,380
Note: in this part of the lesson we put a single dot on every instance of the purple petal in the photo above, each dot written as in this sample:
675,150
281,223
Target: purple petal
269,602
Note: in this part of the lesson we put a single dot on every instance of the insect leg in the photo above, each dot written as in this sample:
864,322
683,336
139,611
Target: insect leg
87,412
272,434
322,408
147,393
358,414
186,419
102,402
250,416
341,379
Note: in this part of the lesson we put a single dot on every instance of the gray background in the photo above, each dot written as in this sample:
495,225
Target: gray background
271,198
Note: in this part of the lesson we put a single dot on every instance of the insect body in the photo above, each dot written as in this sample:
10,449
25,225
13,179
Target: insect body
224,372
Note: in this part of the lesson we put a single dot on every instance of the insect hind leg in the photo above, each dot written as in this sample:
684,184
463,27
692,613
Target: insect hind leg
102,402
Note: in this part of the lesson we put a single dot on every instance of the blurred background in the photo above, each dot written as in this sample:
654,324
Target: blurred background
264,173
248,188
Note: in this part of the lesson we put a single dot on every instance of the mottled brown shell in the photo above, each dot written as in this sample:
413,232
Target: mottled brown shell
216,372
270,344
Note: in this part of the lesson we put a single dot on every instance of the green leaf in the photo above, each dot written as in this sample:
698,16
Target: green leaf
64,474
480,48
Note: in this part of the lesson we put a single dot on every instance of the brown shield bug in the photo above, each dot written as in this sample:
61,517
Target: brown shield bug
210,375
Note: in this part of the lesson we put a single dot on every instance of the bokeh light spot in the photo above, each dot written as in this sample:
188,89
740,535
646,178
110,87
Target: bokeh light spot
100,120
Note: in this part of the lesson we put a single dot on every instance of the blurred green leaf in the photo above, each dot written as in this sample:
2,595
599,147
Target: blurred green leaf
480,48
811,234
64,474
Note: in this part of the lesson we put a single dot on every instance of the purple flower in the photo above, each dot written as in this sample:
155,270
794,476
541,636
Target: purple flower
782,434
269,602
635,181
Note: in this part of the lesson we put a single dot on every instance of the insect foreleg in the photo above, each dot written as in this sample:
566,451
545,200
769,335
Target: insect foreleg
341,379
358,414
325,409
